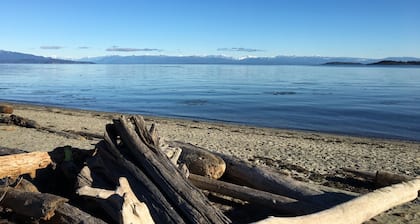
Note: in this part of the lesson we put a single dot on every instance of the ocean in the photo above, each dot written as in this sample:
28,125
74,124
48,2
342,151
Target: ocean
367,101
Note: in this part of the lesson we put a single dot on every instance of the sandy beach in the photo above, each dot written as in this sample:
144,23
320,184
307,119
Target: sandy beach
307,156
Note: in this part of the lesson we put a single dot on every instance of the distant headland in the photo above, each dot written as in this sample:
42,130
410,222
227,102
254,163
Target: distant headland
382,62
21,58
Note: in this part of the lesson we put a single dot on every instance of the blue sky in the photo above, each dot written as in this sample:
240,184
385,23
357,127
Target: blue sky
81,28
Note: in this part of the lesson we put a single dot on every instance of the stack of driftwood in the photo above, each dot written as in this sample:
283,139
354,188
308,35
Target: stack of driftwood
133,177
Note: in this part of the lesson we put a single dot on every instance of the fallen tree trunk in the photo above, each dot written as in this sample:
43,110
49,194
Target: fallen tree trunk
360,209
242,173
270,201
380,178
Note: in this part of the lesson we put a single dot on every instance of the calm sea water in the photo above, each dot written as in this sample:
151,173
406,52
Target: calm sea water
365,101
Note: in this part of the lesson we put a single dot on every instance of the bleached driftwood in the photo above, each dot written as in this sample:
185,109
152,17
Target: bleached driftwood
360,209
128,207
23,163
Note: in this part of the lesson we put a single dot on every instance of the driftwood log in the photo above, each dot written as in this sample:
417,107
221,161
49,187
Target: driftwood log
140,147
6,109
360,209
276,202
203,163
380,178
122,201
19,121
242,173
23,163
30,204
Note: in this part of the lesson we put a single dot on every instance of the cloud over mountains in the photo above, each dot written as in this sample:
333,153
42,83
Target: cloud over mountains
51,47
129,49
239,49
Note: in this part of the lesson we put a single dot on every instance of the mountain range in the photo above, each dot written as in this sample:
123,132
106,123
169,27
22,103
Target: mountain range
15,57
21,58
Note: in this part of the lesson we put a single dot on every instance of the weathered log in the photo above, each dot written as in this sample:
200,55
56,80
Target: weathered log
242,173
123,201
270,201
6,109
30,204
68,214
360,209
380,178
23,163
64,213
160,208
189,201
203,162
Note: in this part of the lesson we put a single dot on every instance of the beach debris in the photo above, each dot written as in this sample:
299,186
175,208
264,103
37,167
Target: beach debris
380,178
360,209
6,109
19,121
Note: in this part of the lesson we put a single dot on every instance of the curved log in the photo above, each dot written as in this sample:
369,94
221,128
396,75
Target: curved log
360,209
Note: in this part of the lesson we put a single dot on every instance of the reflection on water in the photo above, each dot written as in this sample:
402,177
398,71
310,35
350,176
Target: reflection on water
371,101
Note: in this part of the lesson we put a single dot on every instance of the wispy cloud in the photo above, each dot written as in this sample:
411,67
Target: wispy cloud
51,47
129,49
83,47
240,49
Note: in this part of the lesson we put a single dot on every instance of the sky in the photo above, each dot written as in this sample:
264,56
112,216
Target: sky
236,28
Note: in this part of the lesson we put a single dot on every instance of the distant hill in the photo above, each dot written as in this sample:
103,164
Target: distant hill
391,62
20,58
218,59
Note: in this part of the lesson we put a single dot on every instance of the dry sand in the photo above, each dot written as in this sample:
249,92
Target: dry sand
308,156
